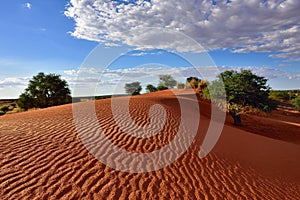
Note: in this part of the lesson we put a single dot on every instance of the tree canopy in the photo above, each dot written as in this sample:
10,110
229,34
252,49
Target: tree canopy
244,90
167,81
133,88
44,91
151,88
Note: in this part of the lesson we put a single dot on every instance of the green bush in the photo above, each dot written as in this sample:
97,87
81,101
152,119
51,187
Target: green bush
280,95
162,87
2,113
206,94
296,103
243,90
4,109
151,88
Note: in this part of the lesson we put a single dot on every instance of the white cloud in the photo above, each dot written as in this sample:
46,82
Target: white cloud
83,70
144,53
267,72
113,80
27,5
71,72
133,74
14,81
244,25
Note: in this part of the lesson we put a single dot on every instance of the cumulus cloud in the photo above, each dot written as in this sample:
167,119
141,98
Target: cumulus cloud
93,81
129,74
242,26
13,82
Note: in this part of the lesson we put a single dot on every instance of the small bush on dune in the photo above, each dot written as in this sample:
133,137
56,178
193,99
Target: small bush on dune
4,109
151,88
161,87
296,103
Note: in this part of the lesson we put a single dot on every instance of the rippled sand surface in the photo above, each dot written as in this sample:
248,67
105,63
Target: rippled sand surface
42,157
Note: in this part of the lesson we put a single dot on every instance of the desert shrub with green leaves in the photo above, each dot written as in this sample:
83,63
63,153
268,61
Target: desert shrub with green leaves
245,92
162,87
151,88
296,103
4,109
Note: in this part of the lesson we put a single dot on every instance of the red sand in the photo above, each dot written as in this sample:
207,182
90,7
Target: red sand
42,157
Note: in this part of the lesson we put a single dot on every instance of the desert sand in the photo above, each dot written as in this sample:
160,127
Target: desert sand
42,157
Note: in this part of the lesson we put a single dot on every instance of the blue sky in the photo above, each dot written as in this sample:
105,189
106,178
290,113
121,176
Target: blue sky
58,36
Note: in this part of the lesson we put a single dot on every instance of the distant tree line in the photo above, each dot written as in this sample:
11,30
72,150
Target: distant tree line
245,91
165,82
284,95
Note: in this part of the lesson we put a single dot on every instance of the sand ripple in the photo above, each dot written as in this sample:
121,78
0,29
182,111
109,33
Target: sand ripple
42,157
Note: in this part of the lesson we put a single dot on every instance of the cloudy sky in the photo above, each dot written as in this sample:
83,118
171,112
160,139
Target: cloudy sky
99,45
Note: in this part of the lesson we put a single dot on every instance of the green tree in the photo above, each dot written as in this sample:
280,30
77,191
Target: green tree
133,88
44,91
245,92
296,103
167,81
151,88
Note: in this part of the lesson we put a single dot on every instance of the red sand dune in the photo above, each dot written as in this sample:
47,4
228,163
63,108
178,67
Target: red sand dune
42,157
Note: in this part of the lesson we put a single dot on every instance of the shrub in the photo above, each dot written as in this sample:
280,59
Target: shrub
296,103
4,109
151,88
162,87
243,89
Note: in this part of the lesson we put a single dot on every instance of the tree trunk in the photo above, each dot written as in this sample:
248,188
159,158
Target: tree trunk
237,118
